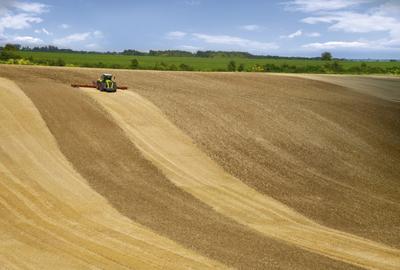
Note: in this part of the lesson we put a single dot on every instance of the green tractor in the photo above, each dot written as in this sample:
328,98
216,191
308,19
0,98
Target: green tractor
106,83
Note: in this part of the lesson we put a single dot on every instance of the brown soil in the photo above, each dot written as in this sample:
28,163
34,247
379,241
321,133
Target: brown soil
327,152
384,87
52,219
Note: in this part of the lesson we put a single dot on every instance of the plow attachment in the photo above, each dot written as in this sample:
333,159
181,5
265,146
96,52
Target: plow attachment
94,86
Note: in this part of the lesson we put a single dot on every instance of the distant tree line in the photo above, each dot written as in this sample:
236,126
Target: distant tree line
174,53
177,53
9,54
210,54
330,67
49,48
181,53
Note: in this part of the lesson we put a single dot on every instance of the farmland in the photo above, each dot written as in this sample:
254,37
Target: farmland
200,135
198,170
210,64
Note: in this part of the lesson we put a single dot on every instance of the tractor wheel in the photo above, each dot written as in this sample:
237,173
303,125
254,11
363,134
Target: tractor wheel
101,87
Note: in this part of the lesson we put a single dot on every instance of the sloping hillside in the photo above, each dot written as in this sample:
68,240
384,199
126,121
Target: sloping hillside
51,218
326,152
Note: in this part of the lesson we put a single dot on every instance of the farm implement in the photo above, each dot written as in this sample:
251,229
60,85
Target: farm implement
104,83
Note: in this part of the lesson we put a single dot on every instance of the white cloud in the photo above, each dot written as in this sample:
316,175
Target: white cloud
389,8
337,45
31,7
355,22
235,41
190,48
295,34
44,31
383,17
27,40
321,5
320,19
381,44
250,27
19,15
23,40
65,26
175,35
98,34
93,46
19,21
78,38
364,23
313,34
72,38
393,42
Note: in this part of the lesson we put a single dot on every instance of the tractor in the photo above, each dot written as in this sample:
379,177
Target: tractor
106,83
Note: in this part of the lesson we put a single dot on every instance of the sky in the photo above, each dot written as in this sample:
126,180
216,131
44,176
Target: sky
347,28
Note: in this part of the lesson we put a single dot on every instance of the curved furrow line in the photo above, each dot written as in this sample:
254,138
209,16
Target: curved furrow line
101,152
53,219
187,167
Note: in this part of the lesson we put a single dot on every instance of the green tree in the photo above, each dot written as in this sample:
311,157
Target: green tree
161,66
173,67
364,67
241,68
336,67
100,65
134,64
9,52
60,62
185,67
326,56
11,47
231,66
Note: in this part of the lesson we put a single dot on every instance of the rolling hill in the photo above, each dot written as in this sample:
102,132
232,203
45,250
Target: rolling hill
198,170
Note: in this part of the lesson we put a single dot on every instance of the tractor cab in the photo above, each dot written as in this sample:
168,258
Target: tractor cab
106,83
106,77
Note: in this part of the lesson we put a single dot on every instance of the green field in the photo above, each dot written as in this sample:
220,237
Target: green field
203,64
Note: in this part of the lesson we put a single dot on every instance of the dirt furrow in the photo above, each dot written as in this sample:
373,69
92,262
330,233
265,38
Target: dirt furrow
88,234
187,167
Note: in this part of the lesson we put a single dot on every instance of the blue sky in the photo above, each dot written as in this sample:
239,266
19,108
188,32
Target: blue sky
347,28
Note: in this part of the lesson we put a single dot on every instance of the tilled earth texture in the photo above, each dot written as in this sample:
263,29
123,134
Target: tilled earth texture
198,171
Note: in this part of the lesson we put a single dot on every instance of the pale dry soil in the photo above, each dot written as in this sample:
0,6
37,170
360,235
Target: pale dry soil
245,170
52,219
191,170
